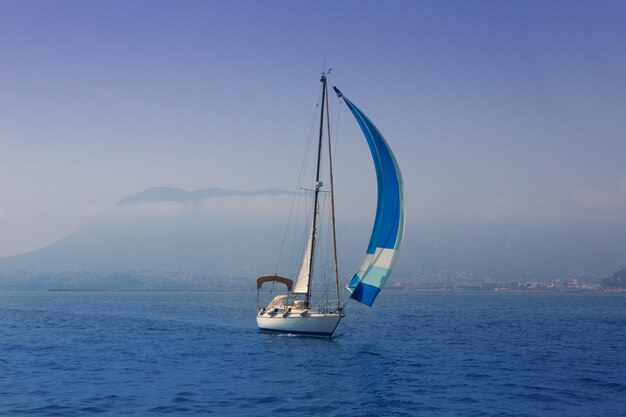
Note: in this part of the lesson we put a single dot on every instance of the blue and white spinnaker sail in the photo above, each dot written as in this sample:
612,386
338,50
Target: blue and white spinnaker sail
388,228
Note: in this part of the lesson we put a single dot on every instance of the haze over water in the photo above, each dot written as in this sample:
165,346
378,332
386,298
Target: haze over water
506,118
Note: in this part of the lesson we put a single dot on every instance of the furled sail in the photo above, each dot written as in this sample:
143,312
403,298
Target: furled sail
388,228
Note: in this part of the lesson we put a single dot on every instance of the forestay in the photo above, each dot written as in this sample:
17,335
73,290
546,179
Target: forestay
388,230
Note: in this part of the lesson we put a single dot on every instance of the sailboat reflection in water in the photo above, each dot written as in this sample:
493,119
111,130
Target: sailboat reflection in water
295,312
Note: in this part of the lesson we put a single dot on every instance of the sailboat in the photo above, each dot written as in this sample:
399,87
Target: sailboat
294,312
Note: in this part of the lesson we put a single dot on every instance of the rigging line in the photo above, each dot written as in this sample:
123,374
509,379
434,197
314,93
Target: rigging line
337,126
319,268
336,131
325,243
330,282
305,159
329,259
295,196
332,201
293,239
300,231
322,224
300,176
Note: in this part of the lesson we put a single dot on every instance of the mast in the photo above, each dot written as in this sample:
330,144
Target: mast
318,184
332,205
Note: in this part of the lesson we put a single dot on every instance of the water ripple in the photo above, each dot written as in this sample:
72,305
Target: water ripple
428,354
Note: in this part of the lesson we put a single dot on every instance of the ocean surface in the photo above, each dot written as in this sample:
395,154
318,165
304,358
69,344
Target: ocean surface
412,354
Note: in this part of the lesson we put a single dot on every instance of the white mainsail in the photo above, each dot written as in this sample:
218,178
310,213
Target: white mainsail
304,277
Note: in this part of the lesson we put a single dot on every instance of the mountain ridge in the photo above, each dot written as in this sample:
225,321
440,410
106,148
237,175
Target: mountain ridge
162,193
185,245
136,244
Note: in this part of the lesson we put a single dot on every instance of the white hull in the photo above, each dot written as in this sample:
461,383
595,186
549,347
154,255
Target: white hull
312,323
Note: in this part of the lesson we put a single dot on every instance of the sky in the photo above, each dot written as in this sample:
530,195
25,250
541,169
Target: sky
500,112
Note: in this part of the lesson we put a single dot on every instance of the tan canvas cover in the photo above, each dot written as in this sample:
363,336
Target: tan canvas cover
269,278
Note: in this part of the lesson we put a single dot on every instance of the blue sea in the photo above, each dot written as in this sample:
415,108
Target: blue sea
412,354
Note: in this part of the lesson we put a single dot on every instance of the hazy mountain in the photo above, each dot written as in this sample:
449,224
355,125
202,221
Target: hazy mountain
171,238
160,238
160,194
213,238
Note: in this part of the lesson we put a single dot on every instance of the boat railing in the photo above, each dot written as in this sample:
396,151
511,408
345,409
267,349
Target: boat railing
284,302
329,306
